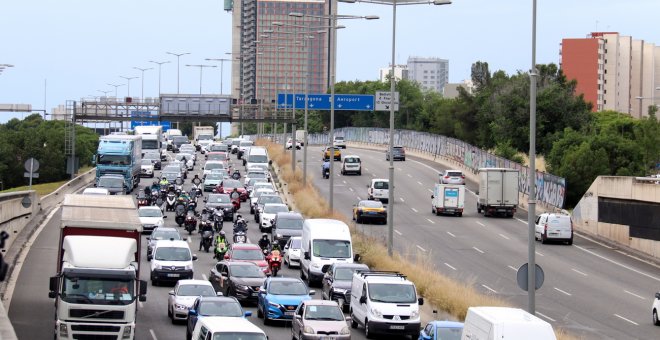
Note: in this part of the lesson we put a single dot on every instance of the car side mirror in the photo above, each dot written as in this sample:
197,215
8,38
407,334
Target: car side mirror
149,257
432,197
325,269
348,318
164,216
194,257
420,301
192,312
306,255
53,287
363,299
657,295
171,292
143,289
312,292
298,316
357,258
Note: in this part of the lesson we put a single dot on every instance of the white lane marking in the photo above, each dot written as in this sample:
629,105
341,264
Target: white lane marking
491,289
622,318
562,291
523,221
579,272
635,295
450,234
351,189
539,254
450,266
513,268
481,224
504,237
547,317
205,277
618,264
477,249
373,175
409,175
398,232
431,191
594,241
420,248
413,209
428,219
401,198
153,335
344,182
358,197
420,183
189,240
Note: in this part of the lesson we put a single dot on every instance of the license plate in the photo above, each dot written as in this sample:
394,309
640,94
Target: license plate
501,210
289,313
328,338
554,234
449,210
397,327
255,294
172,275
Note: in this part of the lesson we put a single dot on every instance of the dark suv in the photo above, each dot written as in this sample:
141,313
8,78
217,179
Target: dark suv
398,152
337,282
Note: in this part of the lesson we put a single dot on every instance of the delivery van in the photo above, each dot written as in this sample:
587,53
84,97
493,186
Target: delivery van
496,323
324,242
448,199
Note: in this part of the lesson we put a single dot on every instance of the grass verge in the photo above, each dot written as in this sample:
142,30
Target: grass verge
45,188
440,291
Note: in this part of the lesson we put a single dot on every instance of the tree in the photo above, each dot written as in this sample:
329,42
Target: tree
480,75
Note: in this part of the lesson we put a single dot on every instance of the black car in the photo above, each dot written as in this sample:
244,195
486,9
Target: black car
285,225
337,281
213,306
224,202
398,152
238,279
155,158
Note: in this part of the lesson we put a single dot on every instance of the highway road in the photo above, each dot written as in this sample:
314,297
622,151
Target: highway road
590,289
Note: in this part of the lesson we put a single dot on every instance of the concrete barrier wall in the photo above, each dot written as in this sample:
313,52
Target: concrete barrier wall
13,216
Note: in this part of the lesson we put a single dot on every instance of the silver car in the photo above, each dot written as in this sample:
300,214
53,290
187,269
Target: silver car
453,177
184,294
314,319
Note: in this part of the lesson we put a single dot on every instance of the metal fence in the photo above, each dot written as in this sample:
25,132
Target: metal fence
550,189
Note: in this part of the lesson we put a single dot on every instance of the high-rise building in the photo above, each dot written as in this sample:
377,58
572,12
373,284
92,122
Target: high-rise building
431,73
613,72
400,72
268,59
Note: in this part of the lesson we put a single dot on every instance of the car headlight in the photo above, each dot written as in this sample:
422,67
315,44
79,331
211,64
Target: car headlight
188,267
308,330
377,313
339,290
278,236
180,306
127,332
344,331
242,287
414,314
159,222
273,304
158,266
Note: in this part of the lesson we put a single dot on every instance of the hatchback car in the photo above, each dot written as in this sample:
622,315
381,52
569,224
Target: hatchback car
268,214
366,210
293,251
336,154
238,279
286,225
162,233
146,168
554,227
211,165
182,297
442,330
263,200
155,157
280,296
247,252
217,156
337,281
289,144
398,153
453,177
339,142
351,165
315,317
224,202
151,217
379,190
212,180
209,306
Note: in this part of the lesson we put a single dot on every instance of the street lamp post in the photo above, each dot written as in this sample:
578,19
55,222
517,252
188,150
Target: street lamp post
178,67
143,69
222,64
128,85
116,86
201,68
159,63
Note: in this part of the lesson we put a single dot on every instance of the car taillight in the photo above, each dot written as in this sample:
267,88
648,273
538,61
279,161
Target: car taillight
446,176
463,176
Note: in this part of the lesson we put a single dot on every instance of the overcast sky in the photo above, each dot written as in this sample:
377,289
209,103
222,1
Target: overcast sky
79,46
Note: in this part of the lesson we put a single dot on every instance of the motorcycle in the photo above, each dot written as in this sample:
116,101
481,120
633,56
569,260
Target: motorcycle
178,185
240,237
180,211
192,204
220,251
326,173
274,261
142,199
207,234
236,175
196,190
218,219
171,200
155,196
191,222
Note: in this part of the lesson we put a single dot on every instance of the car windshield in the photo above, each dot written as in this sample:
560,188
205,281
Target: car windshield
274,209
326,313
454,174
246,271
172,168
263,167
332,248
231,183
258,159
150,213
171,176
180,139
287,288
351,160
345,273
270,199
381,185
218,148
172,254
182,156
257,175
146,162
247,254
187,148
392,293
290,223
151,155
225,335
205,137
219,199
211,166
214,177
257,194
371,204
448,333
109,182
113,160
296,244
339,138
220,308
106,291
195,290
246,143
216,157
165,235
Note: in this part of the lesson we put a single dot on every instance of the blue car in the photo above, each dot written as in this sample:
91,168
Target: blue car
442,330
280,296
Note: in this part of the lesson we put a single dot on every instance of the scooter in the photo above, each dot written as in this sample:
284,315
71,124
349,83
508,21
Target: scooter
180,211
207,234
142,199
240,237
220,251
196,190
218,219
326,173
236,175
171,200
191,222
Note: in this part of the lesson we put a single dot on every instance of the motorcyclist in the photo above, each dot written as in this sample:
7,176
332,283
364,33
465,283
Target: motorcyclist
221,244
185,196
180,202
147,191
264,242
326,164
164,182
219,216
155,187
235,194
197,181
204,227
240,224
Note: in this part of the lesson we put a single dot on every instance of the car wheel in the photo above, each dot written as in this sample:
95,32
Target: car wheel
570,241
300,336
154,282
367,332
544,240
359,173
655,318
259,313
266,319
354,323
358,219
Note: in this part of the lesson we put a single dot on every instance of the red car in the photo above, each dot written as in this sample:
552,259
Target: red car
247,252
227,186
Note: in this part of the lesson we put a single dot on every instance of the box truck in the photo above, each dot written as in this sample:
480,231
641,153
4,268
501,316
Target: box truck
496,323
202,137
152,138
498,191
448,199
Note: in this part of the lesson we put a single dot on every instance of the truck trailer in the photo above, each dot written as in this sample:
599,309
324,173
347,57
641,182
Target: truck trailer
202,137
152,138
498,191
120,155
97,285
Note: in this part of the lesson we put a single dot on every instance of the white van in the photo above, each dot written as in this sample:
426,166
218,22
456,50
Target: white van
171,260
351,164
491,323
379,190
554,227
385,303
222,327
324,242
256,156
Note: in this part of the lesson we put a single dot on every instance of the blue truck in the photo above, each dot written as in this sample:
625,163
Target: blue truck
120,155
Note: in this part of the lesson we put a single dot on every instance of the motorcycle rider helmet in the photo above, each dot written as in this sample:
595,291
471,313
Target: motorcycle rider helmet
264,236
222,232
180,199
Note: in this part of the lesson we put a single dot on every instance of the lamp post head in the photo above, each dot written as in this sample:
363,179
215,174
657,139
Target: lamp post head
347,1
296,14
441,2
371,17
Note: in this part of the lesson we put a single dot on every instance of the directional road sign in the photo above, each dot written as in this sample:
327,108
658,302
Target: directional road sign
166,125
383,101
346,102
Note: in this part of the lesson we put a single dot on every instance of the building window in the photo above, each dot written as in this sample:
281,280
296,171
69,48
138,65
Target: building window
426,71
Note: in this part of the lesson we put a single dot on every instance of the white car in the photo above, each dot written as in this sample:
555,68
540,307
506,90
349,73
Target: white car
655,309
339,142
268,214
151,217
171,260
554,227
212,165
184,294
146,168
255,173
254,196
292,251
190,160
289,144
96,191
379,190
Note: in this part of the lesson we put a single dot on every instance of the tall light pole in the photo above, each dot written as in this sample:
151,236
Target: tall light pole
222,64
201,68
143,69
105,93
128,82
333,47
160,64
116,86
178,68
531,200
390,206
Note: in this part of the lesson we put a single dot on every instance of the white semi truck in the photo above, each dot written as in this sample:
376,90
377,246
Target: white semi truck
152,138
498,191
97,287
202,137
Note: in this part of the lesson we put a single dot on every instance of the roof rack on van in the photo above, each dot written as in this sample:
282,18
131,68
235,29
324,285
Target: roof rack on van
365,273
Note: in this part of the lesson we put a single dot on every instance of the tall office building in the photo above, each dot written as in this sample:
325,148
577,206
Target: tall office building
400,72
613,72
431,73
268,58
